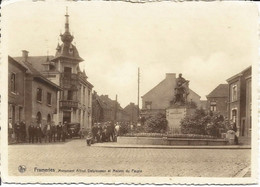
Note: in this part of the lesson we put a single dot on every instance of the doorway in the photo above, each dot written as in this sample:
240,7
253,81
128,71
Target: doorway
39,118
67,116
49,119
13,114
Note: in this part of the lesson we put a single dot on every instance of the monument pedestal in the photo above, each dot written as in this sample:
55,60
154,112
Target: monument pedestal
175,114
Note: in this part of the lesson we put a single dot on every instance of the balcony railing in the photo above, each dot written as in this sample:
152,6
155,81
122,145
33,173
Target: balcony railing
69,79
68,104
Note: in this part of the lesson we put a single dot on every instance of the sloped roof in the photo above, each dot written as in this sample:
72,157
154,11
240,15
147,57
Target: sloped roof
21,65
35,73
220,91
239,74
154,88
36,61
67,51
130,105
103,104
109,102
191,91
162,82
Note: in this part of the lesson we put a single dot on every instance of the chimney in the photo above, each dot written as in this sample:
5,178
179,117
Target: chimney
170,75
25,55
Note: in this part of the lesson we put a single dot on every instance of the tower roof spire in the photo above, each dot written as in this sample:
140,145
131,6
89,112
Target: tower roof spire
67,21
66,37
66,49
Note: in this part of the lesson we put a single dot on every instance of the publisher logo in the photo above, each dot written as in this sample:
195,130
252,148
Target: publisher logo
21,168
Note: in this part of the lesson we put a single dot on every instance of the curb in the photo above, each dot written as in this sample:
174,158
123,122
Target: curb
104,145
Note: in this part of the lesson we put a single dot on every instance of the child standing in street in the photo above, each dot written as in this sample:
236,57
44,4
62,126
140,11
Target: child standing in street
89,138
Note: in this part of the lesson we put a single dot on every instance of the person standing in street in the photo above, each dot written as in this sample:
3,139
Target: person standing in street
59,130
53,132
17,130
48,132
99,133
10,130
113,132
31,132
44,132
39,133
89,137
117,128
64,131
23,131
234,128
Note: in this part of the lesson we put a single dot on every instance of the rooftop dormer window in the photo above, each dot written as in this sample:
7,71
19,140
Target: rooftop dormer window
51,67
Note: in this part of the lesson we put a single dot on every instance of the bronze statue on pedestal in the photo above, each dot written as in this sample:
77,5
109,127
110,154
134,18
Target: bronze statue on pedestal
181,91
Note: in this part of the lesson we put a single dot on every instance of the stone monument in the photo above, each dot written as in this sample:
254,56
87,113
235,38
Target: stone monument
178,108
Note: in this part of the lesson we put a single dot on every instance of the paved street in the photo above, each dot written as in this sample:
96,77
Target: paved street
75,158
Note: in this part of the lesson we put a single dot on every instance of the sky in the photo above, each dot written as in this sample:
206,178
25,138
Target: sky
207,42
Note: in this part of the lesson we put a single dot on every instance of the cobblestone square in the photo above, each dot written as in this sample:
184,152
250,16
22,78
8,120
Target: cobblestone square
74,158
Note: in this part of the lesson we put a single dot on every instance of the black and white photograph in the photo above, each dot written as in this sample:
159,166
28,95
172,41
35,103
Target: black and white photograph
132,92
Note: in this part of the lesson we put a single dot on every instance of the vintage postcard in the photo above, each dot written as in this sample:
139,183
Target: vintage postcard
132,92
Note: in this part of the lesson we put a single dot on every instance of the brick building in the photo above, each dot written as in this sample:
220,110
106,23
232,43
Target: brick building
16,90
34,94
105,109
100,110
113,111
132,112
217,100
239,103
74,101
159,97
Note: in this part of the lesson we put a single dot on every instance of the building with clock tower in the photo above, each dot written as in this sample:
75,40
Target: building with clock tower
74,101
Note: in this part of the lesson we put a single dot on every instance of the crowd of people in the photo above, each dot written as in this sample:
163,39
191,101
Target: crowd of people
36,133
108,131
105,132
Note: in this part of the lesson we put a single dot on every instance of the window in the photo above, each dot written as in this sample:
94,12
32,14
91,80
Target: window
79,114
13,88
70,95
213,106
67,70
51,67
148,105
39,94
20,114
89,95
84,95
13,114
49,98
234,93
234,115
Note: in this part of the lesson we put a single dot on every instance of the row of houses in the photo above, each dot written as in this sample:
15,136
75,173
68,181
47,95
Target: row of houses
107,109
232,100
53,89
50,89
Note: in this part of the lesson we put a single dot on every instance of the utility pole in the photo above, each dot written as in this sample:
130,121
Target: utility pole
138,92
